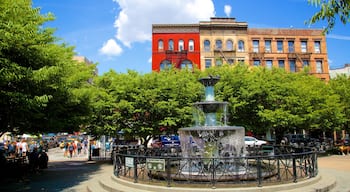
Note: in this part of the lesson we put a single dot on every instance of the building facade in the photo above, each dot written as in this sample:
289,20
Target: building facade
290,49
175,46
225,41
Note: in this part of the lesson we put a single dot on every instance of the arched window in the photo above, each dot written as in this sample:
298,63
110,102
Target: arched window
241,46
191,45
186,64
229,45
171,45
206,45
218,44
181,45
165,65
160,45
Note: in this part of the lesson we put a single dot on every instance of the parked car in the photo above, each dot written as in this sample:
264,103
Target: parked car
253,142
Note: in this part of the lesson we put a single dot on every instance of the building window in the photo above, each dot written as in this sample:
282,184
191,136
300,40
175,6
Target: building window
191,45
186,64
319,67
181,45
207,63
291,46
256,63
317,47
305,63
207,46
241,46
303,46
230,61
256,46
269,64
171,45
218,44
218,62
241,61
279,46
229,45
160,45
268,46
281,64
292,66
165,65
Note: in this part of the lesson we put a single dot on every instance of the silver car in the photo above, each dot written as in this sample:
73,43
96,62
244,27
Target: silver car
253,142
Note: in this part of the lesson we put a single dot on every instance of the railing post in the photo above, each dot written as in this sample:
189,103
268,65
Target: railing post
116,165
259,172
278,170
135,170
213,173
313,164
294,169
168,170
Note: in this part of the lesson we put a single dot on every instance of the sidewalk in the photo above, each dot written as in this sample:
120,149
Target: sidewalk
339,167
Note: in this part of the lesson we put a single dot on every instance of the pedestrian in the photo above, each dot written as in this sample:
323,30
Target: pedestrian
11,149
79,146
65,149
33,159
85,146
71,149
24,148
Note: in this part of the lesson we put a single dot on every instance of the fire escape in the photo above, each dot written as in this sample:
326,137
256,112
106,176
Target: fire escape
257,56
223,54
299,57
175,57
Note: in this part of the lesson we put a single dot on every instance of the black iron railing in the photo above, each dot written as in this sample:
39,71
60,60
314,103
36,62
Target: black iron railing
166,167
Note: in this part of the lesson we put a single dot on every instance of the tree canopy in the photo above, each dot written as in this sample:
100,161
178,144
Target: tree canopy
41,85
331,11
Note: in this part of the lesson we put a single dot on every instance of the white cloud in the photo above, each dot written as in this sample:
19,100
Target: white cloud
150,60
111,48
338,37
330,61
135,18
227,10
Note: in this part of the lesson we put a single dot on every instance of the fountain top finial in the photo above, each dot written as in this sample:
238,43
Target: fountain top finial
209,81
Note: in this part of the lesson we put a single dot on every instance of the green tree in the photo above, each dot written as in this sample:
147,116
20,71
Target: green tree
159,104
331,11
341,87
39,91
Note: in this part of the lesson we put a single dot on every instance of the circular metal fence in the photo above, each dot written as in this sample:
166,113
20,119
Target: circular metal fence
265,165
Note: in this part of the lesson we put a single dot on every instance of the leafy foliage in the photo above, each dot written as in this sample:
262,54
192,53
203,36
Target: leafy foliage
42,88
331,11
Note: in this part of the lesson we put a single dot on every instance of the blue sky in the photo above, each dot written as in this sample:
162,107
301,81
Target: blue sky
116,34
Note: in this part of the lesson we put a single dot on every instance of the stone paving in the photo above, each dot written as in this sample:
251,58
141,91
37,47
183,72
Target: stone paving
339,167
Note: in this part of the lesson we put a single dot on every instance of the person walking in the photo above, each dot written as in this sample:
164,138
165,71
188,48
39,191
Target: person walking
71,149
24,148
79,147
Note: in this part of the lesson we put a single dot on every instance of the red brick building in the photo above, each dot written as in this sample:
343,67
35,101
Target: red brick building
175,46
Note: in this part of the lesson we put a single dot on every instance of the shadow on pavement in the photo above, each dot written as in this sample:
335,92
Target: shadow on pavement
59,176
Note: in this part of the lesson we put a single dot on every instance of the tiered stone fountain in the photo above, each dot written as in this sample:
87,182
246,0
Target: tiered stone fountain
211,140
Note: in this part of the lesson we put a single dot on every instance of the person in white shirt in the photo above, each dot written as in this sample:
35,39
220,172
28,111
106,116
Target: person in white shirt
24,146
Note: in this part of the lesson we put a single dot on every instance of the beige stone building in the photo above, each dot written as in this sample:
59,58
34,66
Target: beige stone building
223,41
